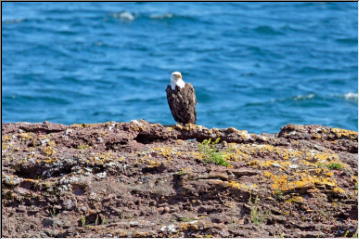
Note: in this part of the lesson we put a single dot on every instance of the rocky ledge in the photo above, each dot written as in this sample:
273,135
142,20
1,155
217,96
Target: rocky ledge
140,179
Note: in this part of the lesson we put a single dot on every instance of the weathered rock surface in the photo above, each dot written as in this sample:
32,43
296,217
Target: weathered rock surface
140,179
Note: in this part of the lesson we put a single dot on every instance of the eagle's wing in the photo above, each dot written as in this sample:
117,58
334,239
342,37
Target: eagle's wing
191,102
173,101
191,94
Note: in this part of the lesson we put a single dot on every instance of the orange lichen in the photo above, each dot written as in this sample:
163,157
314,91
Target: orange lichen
302,180
188,226
49,160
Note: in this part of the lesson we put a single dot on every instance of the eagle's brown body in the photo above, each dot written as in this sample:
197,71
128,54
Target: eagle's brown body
182,103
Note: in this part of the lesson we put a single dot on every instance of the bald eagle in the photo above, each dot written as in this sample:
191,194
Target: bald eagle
182,100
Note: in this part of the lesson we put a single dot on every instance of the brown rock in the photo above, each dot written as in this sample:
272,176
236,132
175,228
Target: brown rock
134,179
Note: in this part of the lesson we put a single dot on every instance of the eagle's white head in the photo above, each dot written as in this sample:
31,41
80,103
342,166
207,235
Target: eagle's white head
176,80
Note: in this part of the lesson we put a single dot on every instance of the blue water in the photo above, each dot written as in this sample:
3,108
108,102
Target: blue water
255,66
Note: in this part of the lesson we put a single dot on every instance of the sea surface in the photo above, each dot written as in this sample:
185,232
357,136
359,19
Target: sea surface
254,66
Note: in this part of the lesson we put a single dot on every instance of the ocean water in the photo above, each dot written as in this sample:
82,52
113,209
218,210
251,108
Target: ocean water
254,66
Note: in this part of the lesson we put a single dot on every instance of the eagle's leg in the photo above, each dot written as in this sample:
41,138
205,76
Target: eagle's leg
185,126
179,125
190,126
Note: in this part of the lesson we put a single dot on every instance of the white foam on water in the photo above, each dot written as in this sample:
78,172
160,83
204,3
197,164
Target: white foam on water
351,96
162,16
126,16
303,97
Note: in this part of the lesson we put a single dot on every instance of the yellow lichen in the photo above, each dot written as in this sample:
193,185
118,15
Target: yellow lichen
241,186
103,157
267,174
296,199
343,133
197,155
49,160
152,163
83,147
324,156
5,146
6,138
302,180
249,151
270,163
49,151
164,151
338,190
26,136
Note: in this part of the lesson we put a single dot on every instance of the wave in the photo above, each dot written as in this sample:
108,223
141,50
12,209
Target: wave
129,16
162,16
304,97
351,96
125,16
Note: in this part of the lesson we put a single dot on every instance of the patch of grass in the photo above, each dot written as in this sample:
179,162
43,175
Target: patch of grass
52,212
82,221
256,215
181,172
212,154
97,220
335,166
186,219
356,234
279,195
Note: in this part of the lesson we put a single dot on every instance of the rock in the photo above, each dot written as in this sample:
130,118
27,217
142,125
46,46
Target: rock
48,222
169,228
69,204
141,179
